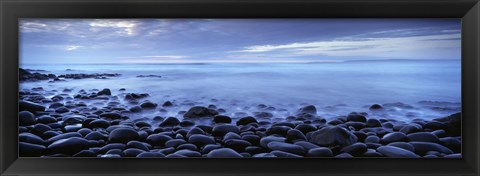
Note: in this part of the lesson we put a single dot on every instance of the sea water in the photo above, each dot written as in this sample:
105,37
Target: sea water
335,88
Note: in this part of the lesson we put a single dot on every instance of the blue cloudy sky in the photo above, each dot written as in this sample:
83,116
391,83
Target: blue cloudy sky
69,41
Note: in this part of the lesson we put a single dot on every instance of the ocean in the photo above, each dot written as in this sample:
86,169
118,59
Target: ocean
431,87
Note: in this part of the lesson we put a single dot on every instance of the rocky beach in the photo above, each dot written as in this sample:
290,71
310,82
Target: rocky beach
115,121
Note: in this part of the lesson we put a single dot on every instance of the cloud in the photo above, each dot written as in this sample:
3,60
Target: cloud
72,47
359,47
124,27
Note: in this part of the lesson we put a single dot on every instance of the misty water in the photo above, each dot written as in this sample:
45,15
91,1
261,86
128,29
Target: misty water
334,88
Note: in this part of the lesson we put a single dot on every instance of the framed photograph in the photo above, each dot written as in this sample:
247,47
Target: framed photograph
244,87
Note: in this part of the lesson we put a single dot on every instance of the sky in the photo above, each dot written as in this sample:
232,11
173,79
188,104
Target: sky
133,41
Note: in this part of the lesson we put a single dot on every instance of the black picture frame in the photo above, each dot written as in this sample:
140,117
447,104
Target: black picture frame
12,10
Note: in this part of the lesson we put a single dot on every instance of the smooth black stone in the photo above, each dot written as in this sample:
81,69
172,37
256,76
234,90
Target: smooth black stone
187,123
372,139
356,118
305,128
85,153
200,111
39,129
394,137
344,155
223,153
265,140
435,125
221,130
30,150
281,130
422,137
170,121
402,145
30,138
356,125
115,152
335,122
26,118
375,107
332,135
150,155
167,104
105,92
112,116
373,123
55,105
452,143
188,153
148,105
49,134
254,150
360,135
286,147
175,142
231,135
158,139
46,119
108,147
138,145
222,119
96,136
30,106
237,144
69,146
122,135
306,145
411,128
74,119
391,151
439,133
356,149
84,131
135,109
64,136
246,120
320,152
422,148
132,152
209,147
295,134
187,146
195,130
278,153
371,153
310,109
254,139
62,109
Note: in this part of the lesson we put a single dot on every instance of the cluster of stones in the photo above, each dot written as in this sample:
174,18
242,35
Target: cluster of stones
63,131
25,75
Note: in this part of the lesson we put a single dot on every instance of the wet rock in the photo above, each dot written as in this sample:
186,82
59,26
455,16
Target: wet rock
122,135
200,111
373,123
453,124
305,128
411,128
356,118
286,147
372,139
402,145
135,109
394,137
237,144
278,153
170,121
222,119
310,109
294,135
105,92
452,143
188,153
95,135
391,151
187,123
31,150
30,106
422,137
246,120
175,143
332,135
201,140
30,138
148,105
132,152
167,104
265,140
355,149
112,116
45,119
320,152
223,153
158,139
69,146
150,155
26,118
221,130
262,115
375,107
422,148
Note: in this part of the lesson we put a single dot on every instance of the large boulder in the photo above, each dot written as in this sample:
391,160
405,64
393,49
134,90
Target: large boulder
332,136
200,111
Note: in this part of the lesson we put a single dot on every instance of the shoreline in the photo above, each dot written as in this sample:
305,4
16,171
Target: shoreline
68,127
